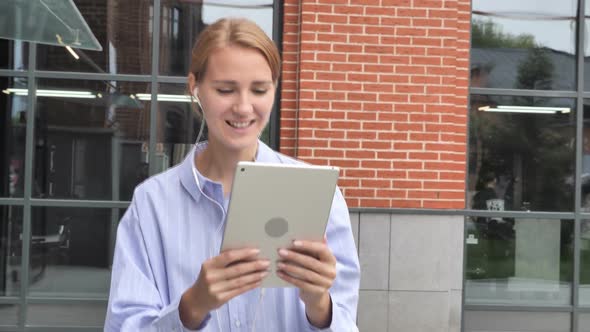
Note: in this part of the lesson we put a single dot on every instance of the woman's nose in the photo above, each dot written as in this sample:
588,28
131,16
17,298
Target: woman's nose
243,104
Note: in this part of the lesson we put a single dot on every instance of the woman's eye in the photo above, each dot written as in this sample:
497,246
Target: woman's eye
259,91
224,91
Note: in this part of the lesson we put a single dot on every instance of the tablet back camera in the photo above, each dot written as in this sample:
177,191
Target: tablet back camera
276,227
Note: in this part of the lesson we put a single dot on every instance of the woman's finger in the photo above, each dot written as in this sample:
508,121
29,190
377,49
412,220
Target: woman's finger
310,263
228,295
243,268
239,282
317,249
306,275
304,287
235,255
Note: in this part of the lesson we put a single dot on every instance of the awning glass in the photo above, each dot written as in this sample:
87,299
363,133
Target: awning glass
54,22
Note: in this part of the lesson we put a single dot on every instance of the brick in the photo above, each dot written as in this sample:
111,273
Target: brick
345,144
329,153
359,173
376,164
349,125
376,203
394,193
360,154
391,174
361,116
376,145
329,133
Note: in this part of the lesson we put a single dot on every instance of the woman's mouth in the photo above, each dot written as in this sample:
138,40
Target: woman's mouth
239,124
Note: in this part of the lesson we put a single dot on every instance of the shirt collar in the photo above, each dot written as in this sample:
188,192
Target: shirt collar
190,176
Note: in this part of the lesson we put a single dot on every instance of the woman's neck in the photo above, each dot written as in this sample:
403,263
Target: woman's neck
218,163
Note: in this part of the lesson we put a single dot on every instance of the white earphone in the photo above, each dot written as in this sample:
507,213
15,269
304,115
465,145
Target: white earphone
196,96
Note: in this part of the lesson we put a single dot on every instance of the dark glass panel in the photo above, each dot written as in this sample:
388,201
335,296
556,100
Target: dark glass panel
11,228
518,261
14,54
520,160
523,44
70,252
123,29
91,139
183,20
13,119
77,314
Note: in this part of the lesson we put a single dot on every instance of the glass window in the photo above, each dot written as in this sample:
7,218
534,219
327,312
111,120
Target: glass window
501,321
14,54
13,118
9,314
587,46
518,261
123,29
70,254
585,179
86,314
11,227
526,44
520,160
178,125
584,291
91,139
584,322
181,22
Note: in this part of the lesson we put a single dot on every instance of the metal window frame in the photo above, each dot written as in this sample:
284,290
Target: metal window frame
27,202
577,215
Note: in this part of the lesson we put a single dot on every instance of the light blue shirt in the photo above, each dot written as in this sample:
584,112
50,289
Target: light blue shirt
173,225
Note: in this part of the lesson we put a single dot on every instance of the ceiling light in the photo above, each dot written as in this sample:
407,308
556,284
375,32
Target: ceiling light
525,109
164,97
52,93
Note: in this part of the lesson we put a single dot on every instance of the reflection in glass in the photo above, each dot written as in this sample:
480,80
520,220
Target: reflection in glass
182,22
13,111
11,225
91,139
584,291
518,261
9,314
523,44
86,314
521,160
529,321
584,322
69,253
122,27
585,178
14,54
178,126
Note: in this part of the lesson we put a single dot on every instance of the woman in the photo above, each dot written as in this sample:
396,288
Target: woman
168,273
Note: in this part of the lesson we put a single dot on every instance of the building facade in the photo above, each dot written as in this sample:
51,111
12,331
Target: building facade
459,127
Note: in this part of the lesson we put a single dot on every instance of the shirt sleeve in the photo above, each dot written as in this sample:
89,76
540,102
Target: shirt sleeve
345,289
135,304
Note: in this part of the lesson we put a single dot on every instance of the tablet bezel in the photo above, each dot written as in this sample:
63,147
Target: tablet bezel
263,191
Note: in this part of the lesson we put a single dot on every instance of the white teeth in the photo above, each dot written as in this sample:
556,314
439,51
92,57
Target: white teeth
239,124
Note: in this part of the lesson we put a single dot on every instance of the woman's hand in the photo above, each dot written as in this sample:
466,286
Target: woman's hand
311,267
222,278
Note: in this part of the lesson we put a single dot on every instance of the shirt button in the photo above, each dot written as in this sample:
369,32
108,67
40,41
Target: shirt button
237,322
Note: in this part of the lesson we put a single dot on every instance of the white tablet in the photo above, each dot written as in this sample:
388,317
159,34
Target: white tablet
273,204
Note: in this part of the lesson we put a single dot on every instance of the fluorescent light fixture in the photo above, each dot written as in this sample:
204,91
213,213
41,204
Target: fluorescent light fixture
76,56
164,97
525,109
52,93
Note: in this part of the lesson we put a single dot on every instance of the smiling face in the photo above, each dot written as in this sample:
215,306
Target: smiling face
236,93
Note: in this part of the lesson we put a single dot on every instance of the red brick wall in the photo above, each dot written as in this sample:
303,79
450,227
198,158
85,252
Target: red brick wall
379,88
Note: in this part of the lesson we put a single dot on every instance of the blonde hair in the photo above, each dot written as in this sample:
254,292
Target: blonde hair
233,31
